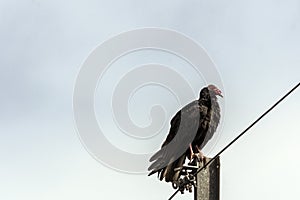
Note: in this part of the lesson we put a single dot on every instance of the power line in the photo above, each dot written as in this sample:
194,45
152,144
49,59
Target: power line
242,133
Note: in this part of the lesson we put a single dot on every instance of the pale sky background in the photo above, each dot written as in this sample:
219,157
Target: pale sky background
254,44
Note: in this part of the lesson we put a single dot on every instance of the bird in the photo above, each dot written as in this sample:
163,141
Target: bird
191,128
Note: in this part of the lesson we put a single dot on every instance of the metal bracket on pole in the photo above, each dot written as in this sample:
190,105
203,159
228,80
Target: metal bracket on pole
206,182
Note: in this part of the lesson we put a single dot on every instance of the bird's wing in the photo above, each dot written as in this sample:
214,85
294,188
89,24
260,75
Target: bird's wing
184,127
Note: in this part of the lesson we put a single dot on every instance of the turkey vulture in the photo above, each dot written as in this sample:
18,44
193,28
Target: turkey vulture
191,128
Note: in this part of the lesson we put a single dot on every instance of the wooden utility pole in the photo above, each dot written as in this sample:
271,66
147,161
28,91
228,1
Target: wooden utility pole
208,182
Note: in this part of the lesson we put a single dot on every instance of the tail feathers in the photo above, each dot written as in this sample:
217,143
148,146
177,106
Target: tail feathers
168,172
157,155
152,172
158,164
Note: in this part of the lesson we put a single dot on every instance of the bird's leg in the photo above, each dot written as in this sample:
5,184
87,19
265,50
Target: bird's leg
192,153
201,155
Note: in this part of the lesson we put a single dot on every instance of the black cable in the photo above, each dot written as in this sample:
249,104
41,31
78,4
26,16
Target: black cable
241,134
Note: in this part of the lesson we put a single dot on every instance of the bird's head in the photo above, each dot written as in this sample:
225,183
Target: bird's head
210,92
213,90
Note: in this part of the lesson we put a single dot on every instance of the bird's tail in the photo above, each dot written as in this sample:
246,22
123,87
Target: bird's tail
170,172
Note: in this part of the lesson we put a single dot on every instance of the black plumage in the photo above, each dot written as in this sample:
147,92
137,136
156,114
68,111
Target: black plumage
192,127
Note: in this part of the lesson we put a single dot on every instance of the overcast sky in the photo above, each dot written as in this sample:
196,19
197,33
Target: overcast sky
255,46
